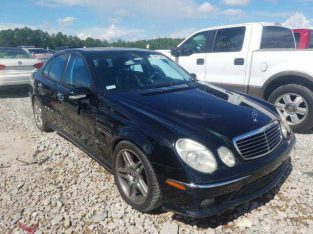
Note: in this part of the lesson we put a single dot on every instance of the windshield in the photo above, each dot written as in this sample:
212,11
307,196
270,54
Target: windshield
127,71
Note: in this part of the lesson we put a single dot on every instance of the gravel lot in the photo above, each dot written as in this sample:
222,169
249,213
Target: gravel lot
49,185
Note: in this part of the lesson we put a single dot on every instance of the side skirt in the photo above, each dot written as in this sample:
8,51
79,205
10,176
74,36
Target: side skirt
80,146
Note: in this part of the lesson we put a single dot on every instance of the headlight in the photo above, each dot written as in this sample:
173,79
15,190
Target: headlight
196,155
226,156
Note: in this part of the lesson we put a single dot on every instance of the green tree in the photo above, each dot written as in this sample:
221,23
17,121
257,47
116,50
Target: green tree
29,37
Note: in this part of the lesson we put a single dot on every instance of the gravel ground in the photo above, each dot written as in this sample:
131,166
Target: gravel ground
50,186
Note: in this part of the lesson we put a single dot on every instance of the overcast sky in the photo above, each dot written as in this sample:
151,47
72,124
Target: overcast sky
144,19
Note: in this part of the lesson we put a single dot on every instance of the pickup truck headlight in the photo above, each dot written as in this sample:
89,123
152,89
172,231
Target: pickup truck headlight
285,128
196,155
226,156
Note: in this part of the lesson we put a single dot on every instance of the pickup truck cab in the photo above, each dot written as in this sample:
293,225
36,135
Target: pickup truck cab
304,38
259,59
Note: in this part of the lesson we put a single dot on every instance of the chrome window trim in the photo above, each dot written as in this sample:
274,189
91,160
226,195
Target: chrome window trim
255,132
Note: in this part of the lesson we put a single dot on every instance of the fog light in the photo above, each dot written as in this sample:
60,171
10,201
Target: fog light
207,202
226,156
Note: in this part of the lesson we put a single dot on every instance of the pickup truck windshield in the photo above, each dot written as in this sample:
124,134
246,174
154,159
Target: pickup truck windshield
134,71
277,37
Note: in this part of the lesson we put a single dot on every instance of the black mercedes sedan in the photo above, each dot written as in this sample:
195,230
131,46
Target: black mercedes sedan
170,140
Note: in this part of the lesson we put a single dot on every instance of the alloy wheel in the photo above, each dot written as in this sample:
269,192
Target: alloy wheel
132,176
38,113
293,108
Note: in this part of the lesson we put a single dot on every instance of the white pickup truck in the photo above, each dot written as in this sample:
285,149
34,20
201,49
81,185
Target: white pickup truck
259,59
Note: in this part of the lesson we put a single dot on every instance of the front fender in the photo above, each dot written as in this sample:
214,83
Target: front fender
135,137
155,146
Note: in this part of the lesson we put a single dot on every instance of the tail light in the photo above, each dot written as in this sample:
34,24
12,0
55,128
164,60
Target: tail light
38,65
2,67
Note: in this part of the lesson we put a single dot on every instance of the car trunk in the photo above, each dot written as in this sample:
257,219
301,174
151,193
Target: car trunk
13,66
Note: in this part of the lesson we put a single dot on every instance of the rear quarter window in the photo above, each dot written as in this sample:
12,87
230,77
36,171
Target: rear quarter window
274,37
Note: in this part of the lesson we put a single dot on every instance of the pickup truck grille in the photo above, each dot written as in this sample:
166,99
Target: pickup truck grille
259,142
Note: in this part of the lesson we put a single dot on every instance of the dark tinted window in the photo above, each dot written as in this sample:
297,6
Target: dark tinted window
57,67
311,40
77,74
195,44
297,38
229,39
277,37
12,53
127,71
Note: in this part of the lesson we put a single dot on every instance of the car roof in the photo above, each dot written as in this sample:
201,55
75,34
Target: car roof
108,50
35,48
245,24
302,30
238,25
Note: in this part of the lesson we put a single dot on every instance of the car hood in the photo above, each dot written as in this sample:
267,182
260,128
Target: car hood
199,109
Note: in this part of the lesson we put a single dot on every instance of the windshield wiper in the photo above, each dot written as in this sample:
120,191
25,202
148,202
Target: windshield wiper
167,84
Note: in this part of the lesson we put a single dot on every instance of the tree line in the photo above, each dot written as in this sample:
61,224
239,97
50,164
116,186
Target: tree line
38,38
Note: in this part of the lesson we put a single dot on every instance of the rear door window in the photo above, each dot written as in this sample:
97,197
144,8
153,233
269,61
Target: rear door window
77,74
57,67
274,37
229,39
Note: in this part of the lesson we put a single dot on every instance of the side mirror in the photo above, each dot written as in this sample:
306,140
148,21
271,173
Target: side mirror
79,93
194,76
175,51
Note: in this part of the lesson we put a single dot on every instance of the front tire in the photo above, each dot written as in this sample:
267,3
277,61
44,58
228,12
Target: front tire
295,102
40,115
135,178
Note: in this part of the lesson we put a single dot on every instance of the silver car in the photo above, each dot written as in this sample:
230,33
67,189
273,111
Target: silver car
16,66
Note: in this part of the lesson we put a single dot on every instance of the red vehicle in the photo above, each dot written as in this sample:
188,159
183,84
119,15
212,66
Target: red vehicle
304,38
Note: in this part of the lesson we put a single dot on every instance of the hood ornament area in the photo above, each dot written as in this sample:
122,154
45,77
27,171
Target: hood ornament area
254,115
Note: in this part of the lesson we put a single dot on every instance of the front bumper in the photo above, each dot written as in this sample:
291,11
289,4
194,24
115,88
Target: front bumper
211,199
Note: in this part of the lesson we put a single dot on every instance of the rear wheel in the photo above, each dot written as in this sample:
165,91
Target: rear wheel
135,178
295,103
39,115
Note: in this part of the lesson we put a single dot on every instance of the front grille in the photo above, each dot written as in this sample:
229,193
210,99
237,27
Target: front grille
259,142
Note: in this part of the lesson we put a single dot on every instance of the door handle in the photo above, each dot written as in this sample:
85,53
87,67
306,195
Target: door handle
239,61
200,61
60,96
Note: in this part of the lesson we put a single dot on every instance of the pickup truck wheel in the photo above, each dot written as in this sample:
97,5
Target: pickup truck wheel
295,102
135,177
